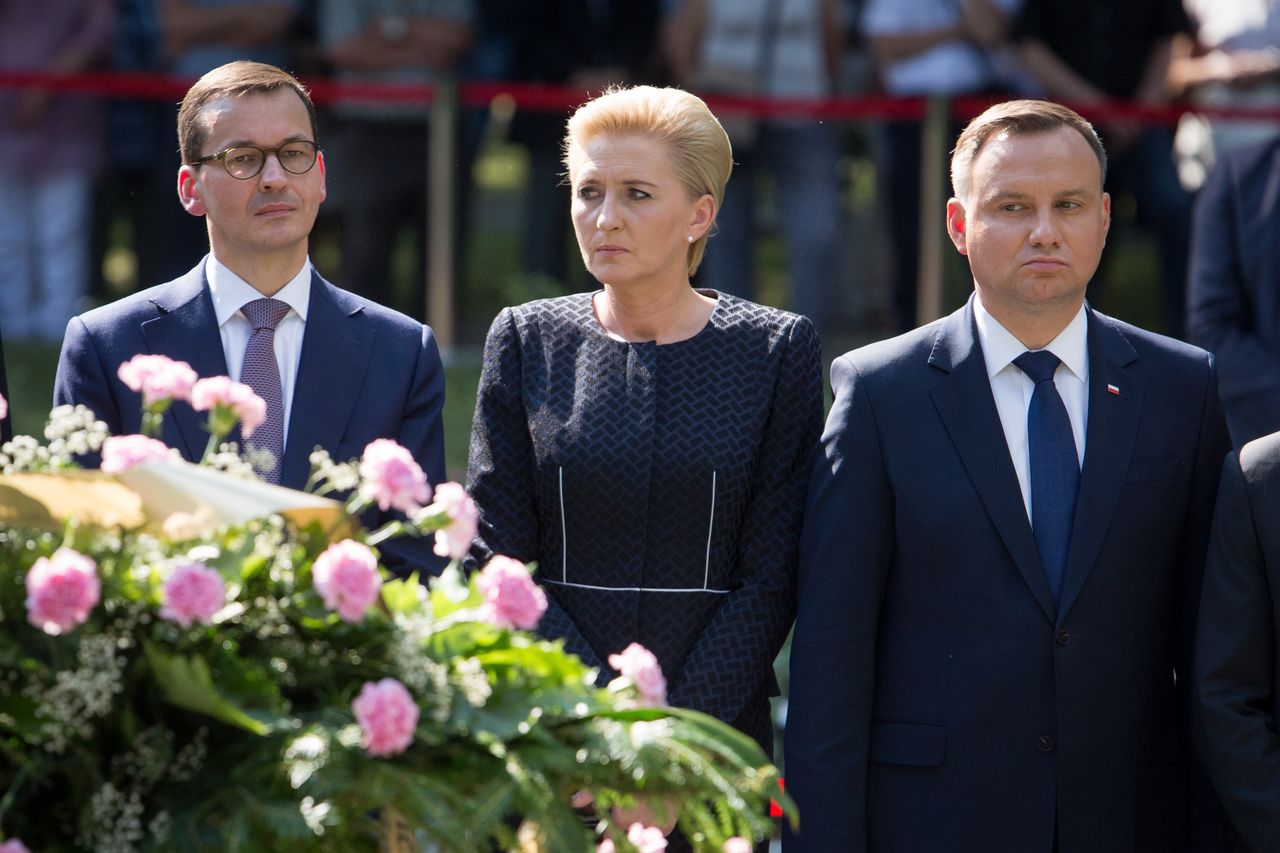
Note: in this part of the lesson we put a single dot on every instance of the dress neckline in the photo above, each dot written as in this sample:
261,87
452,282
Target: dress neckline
713,320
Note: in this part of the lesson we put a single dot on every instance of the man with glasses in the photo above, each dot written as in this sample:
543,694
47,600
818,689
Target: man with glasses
336,370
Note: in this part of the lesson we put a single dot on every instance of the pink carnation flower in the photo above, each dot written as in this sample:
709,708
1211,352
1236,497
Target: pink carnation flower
158,377
455,540
61,590
4,413
13,845
647,839
512,599
640,666
607,846
738,844
346,576
193,593
391,476
221,391
122,452
387,716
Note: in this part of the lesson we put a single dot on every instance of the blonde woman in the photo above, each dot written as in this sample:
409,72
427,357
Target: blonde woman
646,444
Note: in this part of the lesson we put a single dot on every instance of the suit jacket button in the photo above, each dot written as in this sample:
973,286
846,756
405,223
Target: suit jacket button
1062,637
1045,743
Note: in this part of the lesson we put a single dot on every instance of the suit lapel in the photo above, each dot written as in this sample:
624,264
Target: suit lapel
335,356
1109,441
968,410
187,330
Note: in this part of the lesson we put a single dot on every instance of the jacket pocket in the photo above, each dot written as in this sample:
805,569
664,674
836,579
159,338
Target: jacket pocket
912,744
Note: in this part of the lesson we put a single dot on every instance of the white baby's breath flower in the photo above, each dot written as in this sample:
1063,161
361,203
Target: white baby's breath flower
304,757
73,431
335,476
473,682
23,453
115,821
227,458
314,814
160,827
189,760
79,696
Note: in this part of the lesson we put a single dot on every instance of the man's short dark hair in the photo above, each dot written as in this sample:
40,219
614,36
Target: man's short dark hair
1017,118
232,80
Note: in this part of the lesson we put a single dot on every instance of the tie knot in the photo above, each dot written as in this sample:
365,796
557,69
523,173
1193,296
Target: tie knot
1039,365
264,313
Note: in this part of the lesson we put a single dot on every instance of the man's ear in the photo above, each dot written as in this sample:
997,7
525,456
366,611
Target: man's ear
956,225
189,192
324,191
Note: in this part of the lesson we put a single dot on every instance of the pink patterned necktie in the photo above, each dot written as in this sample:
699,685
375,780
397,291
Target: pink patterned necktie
261,372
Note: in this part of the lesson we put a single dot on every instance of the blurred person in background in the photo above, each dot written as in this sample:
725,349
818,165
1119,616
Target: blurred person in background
1233,299
1233,60
586,45
770,49
922,49
200,35
1095,51
380,174
52,145
183,38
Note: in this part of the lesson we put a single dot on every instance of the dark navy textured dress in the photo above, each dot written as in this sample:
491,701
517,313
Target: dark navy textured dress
659,488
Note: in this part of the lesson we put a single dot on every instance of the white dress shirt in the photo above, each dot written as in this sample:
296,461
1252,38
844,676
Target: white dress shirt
231,293
1012,388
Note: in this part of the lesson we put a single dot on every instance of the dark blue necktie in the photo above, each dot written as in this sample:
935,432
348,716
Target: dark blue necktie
1055,467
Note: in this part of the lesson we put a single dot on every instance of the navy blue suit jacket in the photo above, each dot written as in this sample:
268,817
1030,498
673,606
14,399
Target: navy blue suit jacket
366,372
1237,666
939,699
1234,285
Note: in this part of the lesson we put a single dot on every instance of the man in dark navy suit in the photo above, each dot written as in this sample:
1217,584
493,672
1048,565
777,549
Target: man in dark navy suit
1004,544
337,370
1236,682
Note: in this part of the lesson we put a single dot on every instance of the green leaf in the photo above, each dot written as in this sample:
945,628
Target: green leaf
21,712
185,681
401,596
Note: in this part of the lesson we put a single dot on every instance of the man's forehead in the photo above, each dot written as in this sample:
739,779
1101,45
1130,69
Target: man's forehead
254,113
1008,158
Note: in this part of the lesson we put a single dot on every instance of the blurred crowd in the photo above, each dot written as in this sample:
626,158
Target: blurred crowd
76,172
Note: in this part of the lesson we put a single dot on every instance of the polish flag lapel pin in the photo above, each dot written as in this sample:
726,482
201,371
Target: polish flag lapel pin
1112,389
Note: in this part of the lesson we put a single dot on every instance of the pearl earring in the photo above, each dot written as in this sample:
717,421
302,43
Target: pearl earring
690,238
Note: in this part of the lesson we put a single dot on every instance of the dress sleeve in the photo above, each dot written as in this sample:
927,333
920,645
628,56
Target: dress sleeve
739,644
500,468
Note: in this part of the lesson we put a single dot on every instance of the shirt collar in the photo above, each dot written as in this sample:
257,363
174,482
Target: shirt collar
1000,347
230,292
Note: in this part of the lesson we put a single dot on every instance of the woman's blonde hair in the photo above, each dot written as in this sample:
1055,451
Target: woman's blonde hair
700,151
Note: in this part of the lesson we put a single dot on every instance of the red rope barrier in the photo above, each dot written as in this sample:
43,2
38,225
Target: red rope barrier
545,98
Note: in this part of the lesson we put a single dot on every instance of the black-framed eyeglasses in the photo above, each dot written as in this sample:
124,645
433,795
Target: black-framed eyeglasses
245,161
